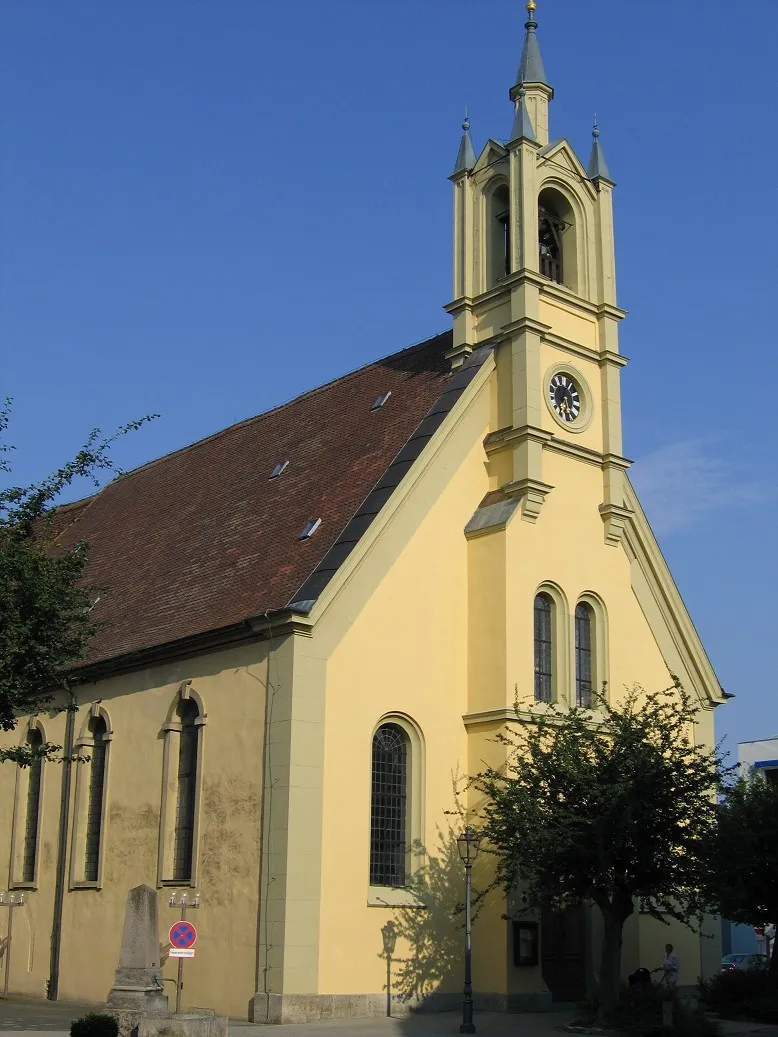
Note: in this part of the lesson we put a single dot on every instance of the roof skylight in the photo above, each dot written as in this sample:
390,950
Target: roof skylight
381,400
310,528
280,467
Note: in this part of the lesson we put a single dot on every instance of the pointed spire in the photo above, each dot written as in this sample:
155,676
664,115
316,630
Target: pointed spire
531,65
466,154
598,167
522,124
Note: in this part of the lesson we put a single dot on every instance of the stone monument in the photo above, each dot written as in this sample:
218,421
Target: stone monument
138,986
137,999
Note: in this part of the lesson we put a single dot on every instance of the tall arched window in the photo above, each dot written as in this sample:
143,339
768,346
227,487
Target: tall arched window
556,238
584,640
498,235
389,807
187,785
31,826
94,811
544,648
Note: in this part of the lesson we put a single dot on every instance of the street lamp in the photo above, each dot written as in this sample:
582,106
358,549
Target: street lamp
467,844
389,936
14,900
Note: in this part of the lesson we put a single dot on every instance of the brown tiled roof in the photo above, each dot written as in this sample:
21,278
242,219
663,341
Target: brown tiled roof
202,539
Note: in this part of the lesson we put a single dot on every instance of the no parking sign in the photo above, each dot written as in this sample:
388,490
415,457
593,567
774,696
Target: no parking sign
182,938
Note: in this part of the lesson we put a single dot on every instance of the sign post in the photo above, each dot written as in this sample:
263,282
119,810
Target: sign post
182,939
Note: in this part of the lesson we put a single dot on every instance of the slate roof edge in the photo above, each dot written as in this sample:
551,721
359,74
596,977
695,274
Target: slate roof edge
272,410
309,592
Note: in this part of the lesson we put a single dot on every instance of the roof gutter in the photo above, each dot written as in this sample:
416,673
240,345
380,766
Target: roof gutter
253,628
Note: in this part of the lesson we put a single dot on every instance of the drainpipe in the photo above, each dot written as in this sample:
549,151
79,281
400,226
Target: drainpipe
62,845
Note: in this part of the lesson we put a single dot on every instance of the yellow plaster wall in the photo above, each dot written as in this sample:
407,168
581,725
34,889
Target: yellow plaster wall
402,648
566,322
223,975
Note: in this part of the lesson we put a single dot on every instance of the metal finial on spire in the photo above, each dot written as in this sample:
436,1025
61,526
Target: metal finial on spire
466,155
598,167
531,8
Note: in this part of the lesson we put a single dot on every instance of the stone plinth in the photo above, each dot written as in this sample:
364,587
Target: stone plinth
138,986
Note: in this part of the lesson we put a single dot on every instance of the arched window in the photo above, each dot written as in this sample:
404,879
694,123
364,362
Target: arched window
584,668
95,795
498,235
556,238
32,817
187,785
389,807
544,648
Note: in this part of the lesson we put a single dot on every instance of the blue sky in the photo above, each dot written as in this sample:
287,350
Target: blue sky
209,207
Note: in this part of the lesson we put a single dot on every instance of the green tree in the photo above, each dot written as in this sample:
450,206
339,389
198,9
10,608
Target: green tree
611,807
743,866
45,621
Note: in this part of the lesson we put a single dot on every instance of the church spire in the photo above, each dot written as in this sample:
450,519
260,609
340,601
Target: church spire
531,79
531,68
466,155
598,167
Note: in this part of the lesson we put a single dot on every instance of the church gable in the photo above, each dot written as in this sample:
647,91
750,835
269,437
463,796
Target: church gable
493,151
664,609
559,157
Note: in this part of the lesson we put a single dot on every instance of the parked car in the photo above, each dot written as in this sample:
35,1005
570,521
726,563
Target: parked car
746,962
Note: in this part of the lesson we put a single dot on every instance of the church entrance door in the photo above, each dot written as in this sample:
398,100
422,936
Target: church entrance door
563,952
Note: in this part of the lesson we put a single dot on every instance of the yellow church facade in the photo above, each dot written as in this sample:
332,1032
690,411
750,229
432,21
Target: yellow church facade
316,622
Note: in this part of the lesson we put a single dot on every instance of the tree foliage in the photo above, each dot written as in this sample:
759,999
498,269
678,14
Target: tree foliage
45,621
611,807
743,868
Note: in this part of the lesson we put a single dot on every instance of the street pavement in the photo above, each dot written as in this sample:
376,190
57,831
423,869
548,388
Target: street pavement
39,1018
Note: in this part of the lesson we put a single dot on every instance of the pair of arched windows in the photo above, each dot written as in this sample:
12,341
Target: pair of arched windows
395,801
555,246
547,638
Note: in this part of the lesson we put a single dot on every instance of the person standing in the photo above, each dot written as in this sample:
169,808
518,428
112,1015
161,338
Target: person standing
669,968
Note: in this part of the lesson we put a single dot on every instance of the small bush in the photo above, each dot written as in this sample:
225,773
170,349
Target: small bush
736,994
94,1024
639,1012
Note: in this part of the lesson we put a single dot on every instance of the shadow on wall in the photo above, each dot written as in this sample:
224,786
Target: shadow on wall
428,938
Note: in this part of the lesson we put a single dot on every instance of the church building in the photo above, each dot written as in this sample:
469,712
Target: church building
314,623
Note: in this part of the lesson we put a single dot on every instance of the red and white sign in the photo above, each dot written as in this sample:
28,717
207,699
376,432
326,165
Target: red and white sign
182,936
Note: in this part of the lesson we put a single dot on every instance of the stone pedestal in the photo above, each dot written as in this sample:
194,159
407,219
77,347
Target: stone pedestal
137,1000
138,986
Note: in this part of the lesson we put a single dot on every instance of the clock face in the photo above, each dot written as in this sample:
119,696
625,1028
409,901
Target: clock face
565,397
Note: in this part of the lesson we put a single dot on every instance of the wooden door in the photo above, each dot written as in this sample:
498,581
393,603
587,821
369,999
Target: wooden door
563,953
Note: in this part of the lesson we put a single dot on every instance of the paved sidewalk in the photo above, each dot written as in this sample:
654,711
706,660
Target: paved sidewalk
39,1018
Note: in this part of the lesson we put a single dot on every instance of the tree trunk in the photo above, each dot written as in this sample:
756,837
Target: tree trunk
614,915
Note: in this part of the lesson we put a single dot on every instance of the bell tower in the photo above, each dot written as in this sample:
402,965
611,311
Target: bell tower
534,277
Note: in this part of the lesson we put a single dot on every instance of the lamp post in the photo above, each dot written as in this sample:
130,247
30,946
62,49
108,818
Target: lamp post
389,936
180,901
9,900
467,844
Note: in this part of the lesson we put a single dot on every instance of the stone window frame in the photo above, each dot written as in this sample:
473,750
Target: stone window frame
171,732
19,825
83,744
402,896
